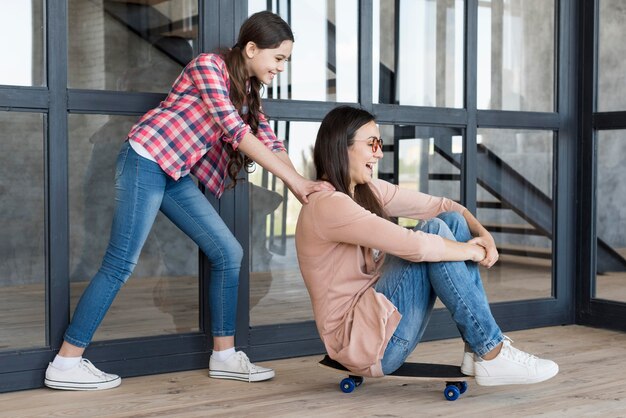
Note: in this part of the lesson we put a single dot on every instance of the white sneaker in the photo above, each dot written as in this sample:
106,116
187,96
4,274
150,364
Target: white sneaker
513,367
238,367
467,365
83,376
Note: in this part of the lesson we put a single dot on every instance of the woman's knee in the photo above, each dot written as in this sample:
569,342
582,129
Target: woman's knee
452,218
439,227
457,224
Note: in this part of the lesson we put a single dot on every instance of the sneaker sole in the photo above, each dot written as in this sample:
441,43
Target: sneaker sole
55,384
243,377
508,380
467,372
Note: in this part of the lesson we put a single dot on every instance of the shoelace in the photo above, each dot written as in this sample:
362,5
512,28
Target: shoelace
87,365
246,365
516,354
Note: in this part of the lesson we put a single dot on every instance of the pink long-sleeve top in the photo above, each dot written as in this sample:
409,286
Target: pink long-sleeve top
334,241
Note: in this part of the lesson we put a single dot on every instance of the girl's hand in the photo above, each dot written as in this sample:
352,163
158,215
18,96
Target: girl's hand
302,187
487,242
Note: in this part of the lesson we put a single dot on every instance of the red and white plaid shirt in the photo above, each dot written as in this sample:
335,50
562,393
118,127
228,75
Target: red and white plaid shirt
187,132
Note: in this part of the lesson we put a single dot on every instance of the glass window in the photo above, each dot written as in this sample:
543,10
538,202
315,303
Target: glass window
161,297
611,53
130,46
514,200
277,290
22,231
428,160
418,52
611,217
516,55
23,46
324,61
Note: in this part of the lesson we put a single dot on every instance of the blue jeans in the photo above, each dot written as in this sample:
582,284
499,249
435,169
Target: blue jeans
141,190
413,288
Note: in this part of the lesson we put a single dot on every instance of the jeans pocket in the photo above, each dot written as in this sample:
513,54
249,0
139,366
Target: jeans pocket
121,160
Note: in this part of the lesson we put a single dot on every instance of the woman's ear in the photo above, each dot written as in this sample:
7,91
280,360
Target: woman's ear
251,49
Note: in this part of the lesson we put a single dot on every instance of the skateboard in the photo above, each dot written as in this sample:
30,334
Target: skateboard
455,380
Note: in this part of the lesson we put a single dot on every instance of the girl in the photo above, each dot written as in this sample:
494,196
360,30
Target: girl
373,283
211,115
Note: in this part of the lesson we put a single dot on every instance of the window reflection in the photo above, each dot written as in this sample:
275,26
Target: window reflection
23,45
161,297
611,217
129,45
514,200
418,52
516,55
22,236
324,61
428,160
277,291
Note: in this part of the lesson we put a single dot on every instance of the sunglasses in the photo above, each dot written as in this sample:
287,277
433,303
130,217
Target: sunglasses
377,143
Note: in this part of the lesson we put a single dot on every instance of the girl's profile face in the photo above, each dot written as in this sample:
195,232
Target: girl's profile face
361,155
264,64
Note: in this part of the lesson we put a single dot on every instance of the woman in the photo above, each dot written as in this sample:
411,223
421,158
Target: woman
373,283
211,115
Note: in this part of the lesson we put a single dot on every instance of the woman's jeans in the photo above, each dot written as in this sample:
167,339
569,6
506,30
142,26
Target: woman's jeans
141,190
413,288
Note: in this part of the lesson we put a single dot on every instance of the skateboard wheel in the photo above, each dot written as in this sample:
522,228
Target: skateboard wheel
452,393
462,387
347,385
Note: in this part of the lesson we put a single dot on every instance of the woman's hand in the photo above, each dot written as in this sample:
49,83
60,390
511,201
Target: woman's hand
477,252
302,187
487,242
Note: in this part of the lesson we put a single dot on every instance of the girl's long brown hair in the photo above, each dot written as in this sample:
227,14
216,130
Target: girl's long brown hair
266,30
330,154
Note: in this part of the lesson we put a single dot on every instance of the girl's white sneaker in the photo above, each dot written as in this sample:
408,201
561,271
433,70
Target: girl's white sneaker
83,376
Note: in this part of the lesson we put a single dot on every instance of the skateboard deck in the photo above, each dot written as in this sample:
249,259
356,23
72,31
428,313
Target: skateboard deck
454,379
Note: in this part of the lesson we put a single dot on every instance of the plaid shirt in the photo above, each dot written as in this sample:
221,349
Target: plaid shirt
187,132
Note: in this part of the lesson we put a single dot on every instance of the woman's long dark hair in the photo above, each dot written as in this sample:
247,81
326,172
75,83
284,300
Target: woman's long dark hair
330,155
266,30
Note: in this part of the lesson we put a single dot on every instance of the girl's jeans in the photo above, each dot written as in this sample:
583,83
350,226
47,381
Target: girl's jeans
413,287
142,189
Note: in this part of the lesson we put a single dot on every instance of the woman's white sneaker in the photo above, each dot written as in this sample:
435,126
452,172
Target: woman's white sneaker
238,367
83,376
513,367
467,365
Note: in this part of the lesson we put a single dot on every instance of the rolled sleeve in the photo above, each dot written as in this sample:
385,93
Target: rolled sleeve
268,137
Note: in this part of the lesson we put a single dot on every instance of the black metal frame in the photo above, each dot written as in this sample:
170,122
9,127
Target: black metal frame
589,310
218,22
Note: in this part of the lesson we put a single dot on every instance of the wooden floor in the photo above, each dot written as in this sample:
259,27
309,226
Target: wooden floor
590,384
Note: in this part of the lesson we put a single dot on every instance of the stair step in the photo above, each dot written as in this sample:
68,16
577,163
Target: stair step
523,251
512,229
490,205
444,176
